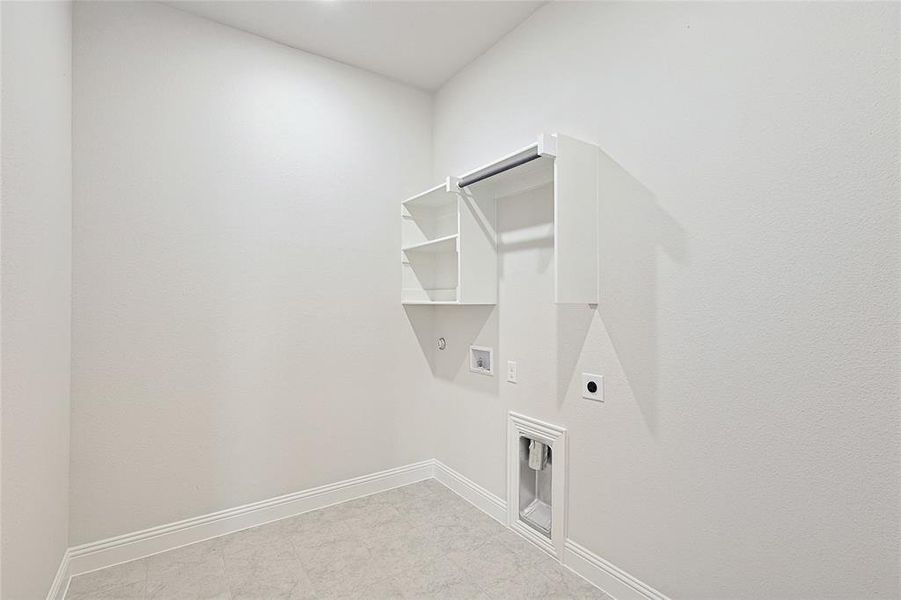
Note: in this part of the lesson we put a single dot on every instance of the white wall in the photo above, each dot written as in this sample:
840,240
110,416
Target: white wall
748,328
237,326
35,294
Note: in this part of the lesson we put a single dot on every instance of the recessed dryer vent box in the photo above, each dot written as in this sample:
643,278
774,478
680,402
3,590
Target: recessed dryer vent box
536,488
481,360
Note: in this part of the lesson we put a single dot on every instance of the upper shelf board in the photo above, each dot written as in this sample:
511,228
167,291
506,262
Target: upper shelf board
531,175
513,181
433,197
515,176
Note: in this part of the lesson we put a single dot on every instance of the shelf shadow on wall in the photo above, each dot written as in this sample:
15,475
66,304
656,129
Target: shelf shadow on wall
525,221
633,229
422,321
573,323
461,327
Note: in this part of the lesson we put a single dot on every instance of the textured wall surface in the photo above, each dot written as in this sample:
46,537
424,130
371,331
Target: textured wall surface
748,322
237,331
35,293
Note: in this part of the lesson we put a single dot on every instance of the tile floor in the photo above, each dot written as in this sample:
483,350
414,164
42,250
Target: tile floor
419,541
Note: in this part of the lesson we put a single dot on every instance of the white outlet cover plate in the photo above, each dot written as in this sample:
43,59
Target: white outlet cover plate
598,394
511,371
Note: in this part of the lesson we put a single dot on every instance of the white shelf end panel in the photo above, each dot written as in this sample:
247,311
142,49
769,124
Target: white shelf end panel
575,221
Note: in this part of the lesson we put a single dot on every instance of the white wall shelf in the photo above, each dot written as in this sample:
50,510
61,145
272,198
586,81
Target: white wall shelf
447,243
448,248
431,198
449,240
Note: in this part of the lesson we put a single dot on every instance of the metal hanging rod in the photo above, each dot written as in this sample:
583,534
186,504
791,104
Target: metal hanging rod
520,158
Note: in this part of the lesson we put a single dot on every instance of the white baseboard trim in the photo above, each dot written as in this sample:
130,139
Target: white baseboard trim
123,548
475,494
607,577
61,581
112,551
611,579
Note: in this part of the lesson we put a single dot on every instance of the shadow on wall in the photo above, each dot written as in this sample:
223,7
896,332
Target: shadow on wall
632,227
461,326
526,222
632,230
572,325
422,321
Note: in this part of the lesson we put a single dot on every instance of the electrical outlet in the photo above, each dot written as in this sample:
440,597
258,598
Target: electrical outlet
593,387
511,371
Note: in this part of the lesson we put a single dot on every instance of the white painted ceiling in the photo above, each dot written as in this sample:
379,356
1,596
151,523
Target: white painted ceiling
422,43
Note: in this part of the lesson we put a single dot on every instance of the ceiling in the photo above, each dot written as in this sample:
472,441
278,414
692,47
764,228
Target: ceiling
421,43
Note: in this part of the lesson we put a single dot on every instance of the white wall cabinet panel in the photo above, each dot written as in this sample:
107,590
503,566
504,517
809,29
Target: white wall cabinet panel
448,247
459,218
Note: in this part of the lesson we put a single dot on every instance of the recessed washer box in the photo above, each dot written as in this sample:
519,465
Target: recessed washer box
481,360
